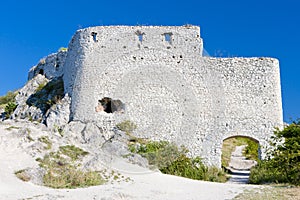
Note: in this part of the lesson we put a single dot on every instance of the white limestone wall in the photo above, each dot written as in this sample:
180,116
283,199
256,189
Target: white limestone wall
170,91
90,56
249,102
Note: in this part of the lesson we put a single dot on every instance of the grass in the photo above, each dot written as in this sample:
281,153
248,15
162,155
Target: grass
47,94
73,152
12,127
8,102
63,170
41,86
278,192
46,141
9,97
21,174
229,145
59,130
69,177
127,126
63,49
171,159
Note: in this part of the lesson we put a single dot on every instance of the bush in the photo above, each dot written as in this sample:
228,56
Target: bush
9,97
283,164
47,94
170,159
9,109
127,126
63,172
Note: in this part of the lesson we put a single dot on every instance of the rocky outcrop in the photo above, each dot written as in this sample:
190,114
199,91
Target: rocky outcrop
50,66
58,115
24,110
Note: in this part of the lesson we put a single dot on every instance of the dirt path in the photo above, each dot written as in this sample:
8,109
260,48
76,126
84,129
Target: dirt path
240,166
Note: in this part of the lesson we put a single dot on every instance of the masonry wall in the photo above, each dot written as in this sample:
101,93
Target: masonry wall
169,90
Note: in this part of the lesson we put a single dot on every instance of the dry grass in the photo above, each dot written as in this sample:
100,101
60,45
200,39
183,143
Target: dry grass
63,169
21,174
278,192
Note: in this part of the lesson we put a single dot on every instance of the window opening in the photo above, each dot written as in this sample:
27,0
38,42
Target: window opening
110,105
140,35
94,35
41,71
168,37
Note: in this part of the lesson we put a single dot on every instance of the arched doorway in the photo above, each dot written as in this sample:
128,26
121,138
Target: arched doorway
248,147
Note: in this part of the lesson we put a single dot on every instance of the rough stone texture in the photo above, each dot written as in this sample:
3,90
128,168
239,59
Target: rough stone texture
58,115
23,110
50,66
169,90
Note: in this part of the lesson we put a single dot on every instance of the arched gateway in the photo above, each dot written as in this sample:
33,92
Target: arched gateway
169,90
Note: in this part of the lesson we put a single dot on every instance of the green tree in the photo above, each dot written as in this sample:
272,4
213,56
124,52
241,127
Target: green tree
283,164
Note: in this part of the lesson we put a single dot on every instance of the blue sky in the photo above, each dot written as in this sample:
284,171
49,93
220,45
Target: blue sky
32,29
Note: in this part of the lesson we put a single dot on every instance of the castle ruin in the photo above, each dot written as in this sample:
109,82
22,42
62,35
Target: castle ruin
156,77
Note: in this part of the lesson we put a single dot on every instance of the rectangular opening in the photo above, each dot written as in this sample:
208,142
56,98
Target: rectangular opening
140,37
168,37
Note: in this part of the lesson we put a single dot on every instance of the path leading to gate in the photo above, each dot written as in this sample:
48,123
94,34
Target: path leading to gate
240,166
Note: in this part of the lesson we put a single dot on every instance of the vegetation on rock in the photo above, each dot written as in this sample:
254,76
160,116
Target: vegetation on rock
9,97
47,94
8,102
127,126
171,159
21,174
283,162
63,170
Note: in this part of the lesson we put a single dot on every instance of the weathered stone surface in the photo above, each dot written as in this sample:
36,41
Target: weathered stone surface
58,115
24,110
169,90
50,66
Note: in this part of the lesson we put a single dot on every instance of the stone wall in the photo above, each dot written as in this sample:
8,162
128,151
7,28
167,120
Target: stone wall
169,90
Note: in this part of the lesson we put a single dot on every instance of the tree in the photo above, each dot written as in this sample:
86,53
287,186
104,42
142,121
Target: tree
283,164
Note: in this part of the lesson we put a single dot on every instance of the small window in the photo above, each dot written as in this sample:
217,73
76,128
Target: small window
168,37
94,35
41,71
140,35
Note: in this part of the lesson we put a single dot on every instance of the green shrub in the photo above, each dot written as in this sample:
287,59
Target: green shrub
283,163
47,94
62,170
10,108
127,126
72,151
69,177
251,150
46,141
171,159
63,49
9,97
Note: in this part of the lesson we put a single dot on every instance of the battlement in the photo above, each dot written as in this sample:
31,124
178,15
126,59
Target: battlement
124,38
